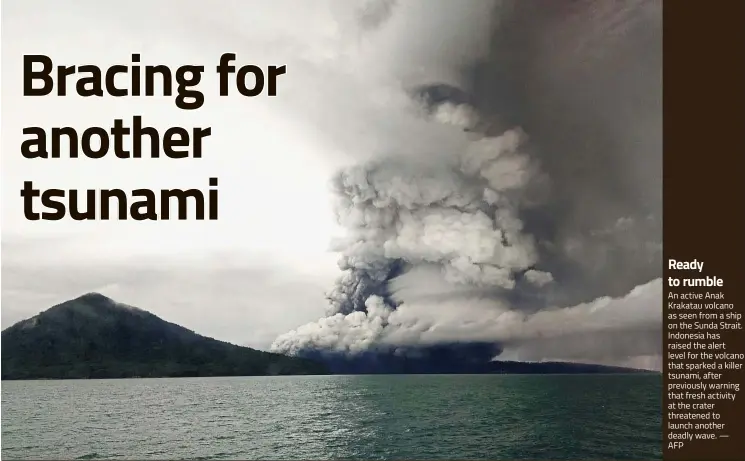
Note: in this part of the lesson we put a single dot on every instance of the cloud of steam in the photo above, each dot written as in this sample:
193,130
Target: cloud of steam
593,332
545,196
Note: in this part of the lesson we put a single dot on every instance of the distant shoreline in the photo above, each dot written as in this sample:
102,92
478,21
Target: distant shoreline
95,337
639,372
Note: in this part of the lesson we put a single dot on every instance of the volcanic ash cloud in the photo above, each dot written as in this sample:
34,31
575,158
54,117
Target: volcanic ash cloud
503,194
458,217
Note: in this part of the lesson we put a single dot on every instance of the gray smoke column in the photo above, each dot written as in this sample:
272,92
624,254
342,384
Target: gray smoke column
584,79
552,198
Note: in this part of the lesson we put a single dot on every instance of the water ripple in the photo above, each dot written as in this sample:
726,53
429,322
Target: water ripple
335,417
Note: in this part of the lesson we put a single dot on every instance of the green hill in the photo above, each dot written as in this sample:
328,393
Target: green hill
95,337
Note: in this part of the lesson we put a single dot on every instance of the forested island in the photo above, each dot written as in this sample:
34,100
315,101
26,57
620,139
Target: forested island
95,337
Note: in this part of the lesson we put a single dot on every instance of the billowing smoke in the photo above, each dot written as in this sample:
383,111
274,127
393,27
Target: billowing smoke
552,200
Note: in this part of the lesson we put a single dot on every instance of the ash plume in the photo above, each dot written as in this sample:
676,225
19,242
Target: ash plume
550,198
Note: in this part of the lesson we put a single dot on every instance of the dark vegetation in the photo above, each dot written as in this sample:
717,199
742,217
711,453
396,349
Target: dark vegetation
95,337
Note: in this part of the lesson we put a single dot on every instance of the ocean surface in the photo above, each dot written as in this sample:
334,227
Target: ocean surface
335,417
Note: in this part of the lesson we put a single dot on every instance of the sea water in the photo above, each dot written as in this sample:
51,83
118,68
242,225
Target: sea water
336,417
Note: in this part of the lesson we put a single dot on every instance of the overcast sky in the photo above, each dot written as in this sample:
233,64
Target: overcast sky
264,265
262,269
